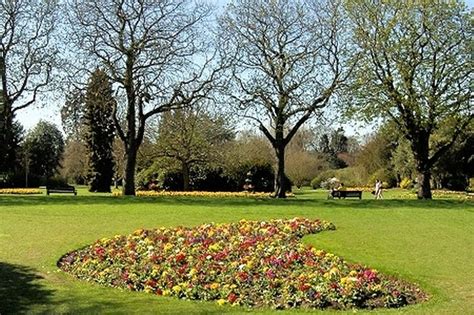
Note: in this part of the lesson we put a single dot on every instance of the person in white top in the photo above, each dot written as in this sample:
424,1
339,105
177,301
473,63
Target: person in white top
378,189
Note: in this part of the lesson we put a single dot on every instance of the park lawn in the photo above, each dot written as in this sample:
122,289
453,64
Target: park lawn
427,242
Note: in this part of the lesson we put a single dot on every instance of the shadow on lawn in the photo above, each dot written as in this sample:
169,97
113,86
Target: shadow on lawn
368,204
20,289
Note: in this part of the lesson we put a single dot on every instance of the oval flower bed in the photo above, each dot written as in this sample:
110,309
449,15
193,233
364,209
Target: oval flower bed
248,263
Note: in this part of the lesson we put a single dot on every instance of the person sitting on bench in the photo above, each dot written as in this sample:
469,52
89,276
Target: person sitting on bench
341,187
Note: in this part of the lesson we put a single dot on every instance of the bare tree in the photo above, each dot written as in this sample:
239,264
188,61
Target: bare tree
27,56
288,59
155,54
416,71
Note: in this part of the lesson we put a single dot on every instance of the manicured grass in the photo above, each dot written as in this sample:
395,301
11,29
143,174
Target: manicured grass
428,242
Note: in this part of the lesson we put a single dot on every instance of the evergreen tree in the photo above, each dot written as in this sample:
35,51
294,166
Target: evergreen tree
8,137
45,146
100,131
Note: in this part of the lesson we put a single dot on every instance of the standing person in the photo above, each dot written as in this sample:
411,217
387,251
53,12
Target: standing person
378,189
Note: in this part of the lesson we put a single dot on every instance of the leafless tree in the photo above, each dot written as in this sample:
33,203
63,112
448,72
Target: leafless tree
155,52
288,59
27,56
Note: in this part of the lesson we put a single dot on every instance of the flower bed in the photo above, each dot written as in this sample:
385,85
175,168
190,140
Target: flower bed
217,194
20,191
437,194
248,263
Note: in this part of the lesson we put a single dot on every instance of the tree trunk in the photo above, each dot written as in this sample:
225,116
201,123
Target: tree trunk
129,172
424,188
185,170
421,148
280,179
7,151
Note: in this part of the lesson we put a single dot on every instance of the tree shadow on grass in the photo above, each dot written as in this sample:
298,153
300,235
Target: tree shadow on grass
355,204
20,289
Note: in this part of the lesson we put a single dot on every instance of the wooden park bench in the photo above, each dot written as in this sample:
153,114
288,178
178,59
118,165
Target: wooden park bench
346,194
61,190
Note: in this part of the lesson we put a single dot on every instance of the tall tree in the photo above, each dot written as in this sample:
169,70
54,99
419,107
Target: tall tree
45,146
154,51
288,59
100,131
72,115
192,137
27,55
416,70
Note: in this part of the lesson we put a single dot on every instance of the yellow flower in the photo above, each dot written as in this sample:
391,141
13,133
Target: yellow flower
215,285
221,302
215,247
177,289
333,271
168,246
250,264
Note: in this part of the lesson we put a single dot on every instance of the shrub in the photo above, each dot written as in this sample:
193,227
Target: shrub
330,183
387,177
352,176
406,183
316,182
471,184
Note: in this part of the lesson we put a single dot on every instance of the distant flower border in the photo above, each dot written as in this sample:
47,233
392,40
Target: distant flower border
437,194
217,194
20,191
249,263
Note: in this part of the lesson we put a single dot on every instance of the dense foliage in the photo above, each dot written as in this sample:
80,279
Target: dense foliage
44,146
415,69
100,131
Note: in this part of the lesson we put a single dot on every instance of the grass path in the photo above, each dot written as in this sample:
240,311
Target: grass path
428,242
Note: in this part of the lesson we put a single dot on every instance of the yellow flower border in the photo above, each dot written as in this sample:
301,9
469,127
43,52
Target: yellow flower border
20,191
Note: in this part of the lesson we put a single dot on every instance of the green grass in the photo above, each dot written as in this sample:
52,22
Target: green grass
427,242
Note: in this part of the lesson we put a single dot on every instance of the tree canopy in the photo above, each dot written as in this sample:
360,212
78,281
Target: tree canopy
415,68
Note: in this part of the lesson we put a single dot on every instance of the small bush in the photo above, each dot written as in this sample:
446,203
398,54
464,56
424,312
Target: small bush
352,176
387,177
316,182
330,183
57,181
406,183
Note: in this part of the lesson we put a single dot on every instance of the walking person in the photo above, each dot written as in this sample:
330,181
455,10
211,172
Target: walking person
378,189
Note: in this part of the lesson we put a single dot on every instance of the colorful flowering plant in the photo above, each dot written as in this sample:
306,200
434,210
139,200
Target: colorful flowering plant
20,191
248,263
437,194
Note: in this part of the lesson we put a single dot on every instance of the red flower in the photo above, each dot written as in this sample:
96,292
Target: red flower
243,276
304,287
180,257
100,251
232,297
270,274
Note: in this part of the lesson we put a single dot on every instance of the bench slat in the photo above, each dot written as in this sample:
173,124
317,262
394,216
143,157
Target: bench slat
61,190
346,194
